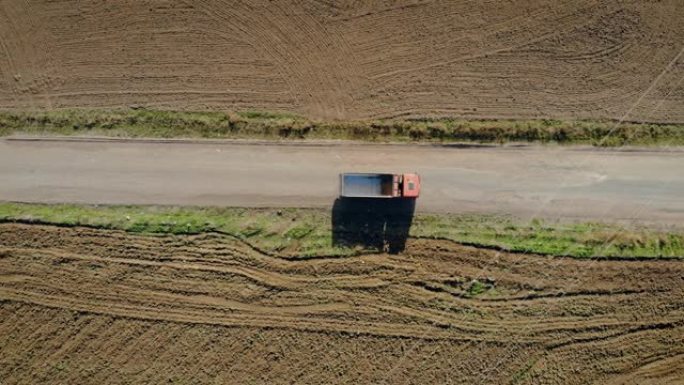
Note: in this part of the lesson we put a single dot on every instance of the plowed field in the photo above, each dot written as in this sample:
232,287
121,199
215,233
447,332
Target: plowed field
349,59
92,306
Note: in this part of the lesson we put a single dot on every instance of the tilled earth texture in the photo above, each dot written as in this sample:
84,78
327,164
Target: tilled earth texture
85,306
349,59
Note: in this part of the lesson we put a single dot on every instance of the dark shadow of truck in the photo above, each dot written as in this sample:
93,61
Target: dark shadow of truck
372,223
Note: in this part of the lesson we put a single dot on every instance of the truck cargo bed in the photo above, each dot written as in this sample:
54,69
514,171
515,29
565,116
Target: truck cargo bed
363,185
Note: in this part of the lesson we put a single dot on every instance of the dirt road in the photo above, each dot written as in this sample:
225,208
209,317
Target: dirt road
349,59
95,306
529,181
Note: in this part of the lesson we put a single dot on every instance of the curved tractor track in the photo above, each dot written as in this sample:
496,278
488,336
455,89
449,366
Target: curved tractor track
85,306
349,59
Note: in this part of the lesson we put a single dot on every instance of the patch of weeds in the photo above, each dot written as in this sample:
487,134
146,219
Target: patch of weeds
299,232
255,114
524,372
251,231
476,288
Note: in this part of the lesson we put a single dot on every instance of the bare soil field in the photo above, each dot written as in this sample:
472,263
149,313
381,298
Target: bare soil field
349,59
84,306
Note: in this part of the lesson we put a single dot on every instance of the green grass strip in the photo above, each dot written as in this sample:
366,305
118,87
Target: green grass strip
144,123
308,232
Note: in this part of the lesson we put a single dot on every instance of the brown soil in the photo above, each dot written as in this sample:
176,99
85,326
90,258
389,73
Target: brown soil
349,59
93,306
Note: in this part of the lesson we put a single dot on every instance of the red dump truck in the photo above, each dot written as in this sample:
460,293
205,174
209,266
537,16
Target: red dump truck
369,185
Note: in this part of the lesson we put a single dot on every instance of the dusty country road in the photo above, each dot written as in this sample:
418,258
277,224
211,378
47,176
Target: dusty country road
531,181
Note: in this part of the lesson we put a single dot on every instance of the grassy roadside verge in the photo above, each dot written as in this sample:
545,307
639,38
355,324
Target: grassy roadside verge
138,123
307,232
